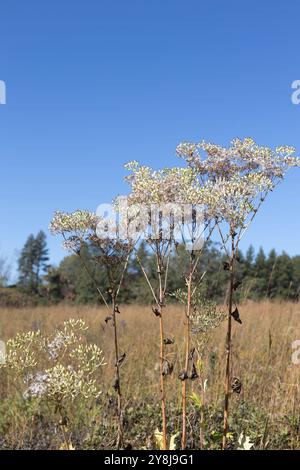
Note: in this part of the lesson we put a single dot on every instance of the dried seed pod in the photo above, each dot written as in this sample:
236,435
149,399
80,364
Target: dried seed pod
116,384
183,375
107,319
226,266
156,311
236,284
167,368
192,354
121,358
194,374
168,341
236,315
236,385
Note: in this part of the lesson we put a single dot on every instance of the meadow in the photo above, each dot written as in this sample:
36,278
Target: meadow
173,374
266,409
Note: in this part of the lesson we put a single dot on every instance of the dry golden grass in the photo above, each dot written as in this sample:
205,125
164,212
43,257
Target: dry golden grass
261,349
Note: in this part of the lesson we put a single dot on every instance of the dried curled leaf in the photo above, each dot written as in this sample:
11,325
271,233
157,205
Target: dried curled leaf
236,315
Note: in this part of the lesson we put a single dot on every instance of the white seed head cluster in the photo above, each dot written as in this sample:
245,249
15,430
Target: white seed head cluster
78,221
205,314
178,186
83,229
241,157
60,366
238,177
75,227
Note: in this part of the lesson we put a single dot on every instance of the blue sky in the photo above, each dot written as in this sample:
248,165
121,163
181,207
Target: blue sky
94,84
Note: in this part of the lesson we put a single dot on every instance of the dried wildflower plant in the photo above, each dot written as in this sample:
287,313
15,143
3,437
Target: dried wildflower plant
83,230
172,189
240,176
229,184
149,187
59,368
204,317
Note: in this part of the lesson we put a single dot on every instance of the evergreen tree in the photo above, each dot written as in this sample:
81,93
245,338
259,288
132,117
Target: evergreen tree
249,260
26,265
283,278
261,274
271,267
40,256
55,285
296,275
33,262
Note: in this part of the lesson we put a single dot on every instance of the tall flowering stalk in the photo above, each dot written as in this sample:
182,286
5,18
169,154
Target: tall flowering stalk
190,373
200,195
150,190
241,176
83,230
204,317
176,194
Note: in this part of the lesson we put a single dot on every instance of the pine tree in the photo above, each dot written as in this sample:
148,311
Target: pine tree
283,278
249,260
261,274
40,256
296,275
54,286
271,266
26,265
33,262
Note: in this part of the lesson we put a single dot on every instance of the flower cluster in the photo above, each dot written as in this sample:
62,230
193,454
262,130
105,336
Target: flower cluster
60,366
173,194
238,197
62,338
83,229
241,157
79,221
205,315
148,186
22,351
61,383
76,228
237,178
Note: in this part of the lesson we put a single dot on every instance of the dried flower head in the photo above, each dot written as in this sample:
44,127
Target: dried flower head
205,315
59,366
241,157
237,178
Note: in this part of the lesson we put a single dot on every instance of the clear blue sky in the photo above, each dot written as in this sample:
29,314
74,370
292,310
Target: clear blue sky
92,84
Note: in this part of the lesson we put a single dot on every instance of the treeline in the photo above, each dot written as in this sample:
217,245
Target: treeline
259,276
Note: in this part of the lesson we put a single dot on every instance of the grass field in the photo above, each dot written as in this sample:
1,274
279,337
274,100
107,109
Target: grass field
266,410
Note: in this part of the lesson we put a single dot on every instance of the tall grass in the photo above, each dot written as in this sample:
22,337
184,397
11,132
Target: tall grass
261,355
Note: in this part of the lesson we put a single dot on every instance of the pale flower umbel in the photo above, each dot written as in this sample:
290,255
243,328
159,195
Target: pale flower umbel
238,177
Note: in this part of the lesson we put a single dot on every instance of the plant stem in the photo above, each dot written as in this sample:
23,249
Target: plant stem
162,354
120,439
228,341
187,350
202,421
